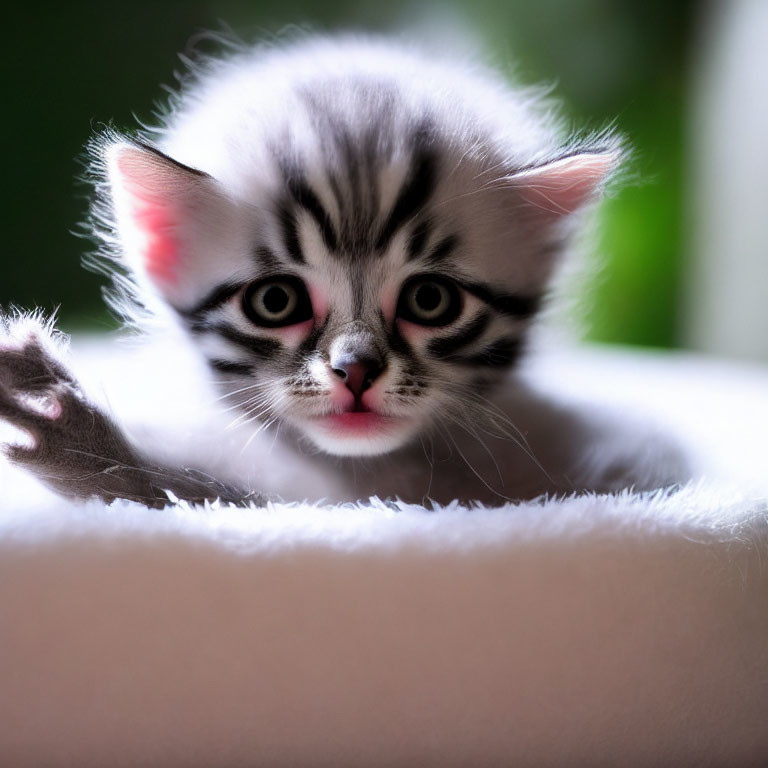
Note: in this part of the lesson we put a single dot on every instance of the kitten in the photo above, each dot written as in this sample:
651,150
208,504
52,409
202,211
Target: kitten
355,237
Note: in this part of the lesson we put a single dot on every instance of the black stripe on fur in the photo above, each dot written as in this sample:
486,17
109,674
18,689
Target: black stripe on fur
287,217
469,332
263,349
510,304
231,366
215,298
418,239
305,197
501,354
267,259
442,250
414,194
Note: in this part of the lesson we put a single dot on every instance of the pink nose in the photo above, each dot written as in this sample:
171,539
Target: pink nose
357,373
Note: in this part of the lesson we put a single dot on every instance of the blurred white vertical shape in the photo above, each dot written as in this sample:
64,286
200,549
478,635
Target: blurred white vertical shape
727,288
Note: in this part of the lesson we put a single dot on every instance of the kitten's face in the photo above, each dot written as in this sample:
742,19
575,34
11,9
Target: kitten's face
360,320
361,355
362,329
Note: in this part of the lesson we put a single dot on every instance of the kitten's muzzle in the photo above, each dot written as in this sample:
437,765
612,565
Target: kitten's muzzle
355,358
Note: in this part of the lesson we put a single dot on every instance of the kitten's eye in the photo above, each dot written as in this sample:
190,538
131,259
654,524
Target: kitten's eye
277,301
429,300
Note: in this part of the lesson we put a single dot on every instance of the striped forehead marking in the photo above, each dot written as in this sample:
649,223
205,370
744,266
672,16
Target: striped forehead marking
354,162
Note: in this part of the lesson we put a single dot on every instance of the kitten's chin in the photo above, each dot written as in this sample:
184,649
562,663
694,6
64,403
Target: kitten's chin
357,434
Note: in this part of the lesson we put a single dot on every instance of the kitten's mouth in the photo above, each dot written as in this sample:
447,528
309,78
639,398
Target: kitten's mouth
358,432
356,423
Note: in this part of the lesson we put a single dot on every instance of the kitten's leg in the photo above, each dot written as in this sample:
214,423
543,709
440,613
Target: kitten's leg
78,450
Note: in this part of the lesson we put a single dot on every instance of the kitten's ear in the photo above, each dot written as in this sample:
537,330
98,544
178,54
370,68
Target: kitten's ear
171,220
563,186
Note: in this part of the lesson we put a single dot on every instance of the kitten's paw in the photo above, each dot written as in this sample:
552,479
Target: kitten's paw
75,448
33,379
31,353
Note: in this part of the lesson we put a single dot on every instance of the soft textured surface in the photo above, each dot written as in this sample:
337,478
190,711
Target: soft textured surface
622,629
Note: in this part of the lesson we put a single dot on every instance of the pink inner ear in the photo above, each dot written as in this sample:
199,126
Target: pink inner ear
152,214
161,247
564,186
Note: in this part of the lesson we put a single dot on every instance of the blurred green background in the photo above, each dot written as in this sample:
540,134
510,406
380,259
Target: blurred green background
72,66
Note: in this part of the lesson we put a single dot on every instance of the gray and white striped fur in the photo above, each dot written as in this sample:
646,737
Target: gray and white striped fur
355,163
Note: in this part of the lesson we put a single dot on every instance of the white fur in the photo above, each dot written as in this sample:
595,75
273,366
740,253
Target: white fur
254,93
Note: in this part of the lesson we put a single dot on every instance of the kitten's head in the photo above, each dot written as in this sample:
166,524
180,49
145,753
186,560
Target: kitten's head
366,278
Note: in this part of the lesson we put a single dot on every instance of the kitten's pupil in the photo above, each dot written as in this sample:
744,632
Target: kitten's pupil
275,299
428,297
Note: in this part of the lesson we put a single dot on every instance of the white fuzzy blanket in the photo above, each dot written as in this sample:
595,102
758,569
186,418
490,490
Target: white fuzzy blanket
616,630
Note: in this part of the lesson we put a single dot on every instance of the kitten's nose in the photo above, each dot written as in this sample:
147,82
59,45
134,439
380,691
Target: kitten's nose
355,357
357,371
